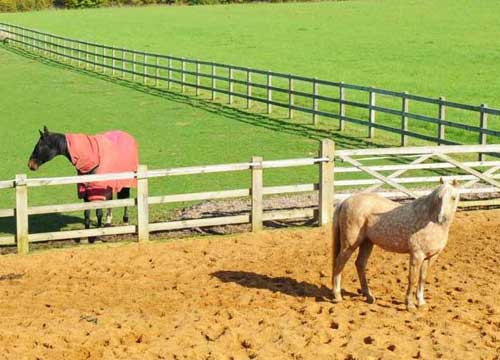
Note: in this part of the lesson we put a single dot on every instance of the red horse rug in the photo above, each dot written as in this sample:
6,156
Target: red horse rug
110,152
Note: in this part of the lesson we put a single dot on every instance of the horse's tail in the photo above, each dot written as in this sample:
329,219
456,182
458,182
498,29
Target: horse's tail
336,243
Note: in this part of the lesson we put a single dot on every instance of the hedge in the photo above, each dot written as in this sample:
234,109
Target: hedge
27,5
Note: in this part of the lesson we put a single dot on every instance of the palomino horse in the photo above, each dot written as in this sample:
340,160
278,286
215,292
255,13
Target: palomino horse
419,228
111,152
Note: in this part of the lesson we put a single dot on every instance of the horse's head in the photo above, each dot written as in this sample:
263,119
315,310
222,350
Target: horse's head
447,196
45,149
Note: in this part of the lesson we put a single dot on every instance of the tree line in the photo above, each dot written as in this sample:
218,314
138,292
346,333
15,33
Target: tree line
27,5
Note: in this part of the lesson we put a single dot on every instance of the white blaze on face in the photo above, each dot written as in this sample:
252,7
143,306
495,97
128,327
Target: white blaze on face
449,196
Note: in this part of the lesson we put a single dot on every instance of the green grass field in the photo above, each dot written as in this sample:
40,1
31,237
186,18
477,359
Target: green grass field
434,48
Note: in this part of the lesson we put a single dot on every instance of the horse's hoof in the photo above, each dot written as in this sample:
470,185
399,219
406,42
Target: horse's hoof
78,240
337,299
411,307
371,299
423,306
92,239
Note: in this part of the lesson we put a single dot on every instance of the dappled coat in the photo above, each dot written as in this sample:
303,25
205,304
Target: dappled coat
110,152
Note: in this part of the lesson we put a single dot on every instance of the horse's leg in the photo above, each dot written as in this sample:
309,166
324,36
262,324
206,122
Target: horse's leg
125,215
86,216
416,260
99,215
124,194
340,262
109,217
421,281
365,249
109,213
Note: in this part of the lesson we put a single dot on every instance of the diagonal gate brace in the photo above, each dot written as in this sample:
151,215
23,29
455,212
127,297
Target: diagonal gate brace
377,175
395,174
470,170
490,171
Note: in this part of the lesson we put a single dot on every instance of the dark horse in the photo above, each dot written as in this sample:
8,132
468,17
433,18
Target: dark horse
88,154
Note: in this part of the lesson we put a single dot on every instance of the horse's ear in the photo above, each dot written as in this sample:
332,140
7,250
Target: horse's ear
41,133
45,130
455,183
441,181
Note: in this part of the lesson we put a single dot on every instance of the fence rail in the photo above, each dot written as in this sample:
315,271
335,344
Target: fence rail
222,79
329,163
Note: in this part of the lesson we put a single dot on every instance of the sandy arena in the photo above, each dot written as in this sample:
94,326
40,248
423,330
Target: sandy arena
247,296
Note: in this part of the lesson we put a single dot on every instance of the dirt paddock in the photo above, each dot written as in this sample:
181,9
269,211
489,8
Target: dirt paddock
247,296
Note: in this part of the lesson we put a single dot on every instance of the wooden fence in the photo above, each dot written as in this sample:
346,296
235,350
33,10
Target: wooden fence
297,93
475,172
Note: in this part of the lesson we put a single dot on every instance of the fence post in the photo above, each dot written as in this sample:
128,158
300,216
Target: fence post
257,193
214,81
134,67
79,54
64,56
371,129
442,116
315,101
231,85
169,73
197,78
249,89
50,48
404,119
22,215
142,204
87,55
145,66
103,59
291,97
341,106
269,92
124,63
95,58
113,62
483,120
157,72
326,184
183,75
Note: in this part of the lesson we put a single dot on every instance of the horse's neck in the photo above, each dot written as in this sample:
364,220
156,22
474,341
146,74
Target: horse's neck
61,145
423,209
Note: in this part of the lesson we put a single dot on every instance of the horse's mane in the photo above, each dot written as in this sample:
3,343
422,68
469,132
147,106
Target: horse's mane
58,141
426,204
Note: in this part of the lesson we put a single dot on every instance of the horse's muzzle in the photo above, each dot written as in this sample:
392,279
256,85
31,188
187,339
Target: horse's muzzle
32,164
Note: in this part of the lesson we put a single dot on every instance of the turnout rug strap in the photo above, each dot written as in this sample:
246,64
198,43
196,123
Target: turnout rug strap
110,152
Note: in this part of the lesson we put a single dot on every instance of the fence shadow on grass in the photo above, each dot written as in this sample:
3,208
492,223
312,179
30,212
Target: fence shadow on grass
41,223
255,119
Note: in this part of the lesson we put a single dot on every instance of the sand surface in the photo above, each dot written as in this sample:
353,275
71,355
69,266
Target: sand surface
249,296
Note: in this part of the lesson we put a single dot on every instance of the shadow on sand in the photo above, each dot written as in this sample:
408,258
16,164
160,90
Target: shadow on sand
283,284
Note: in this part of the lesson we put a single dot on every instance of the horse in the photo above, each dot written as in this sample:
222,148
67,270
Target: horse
419,228
114,151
